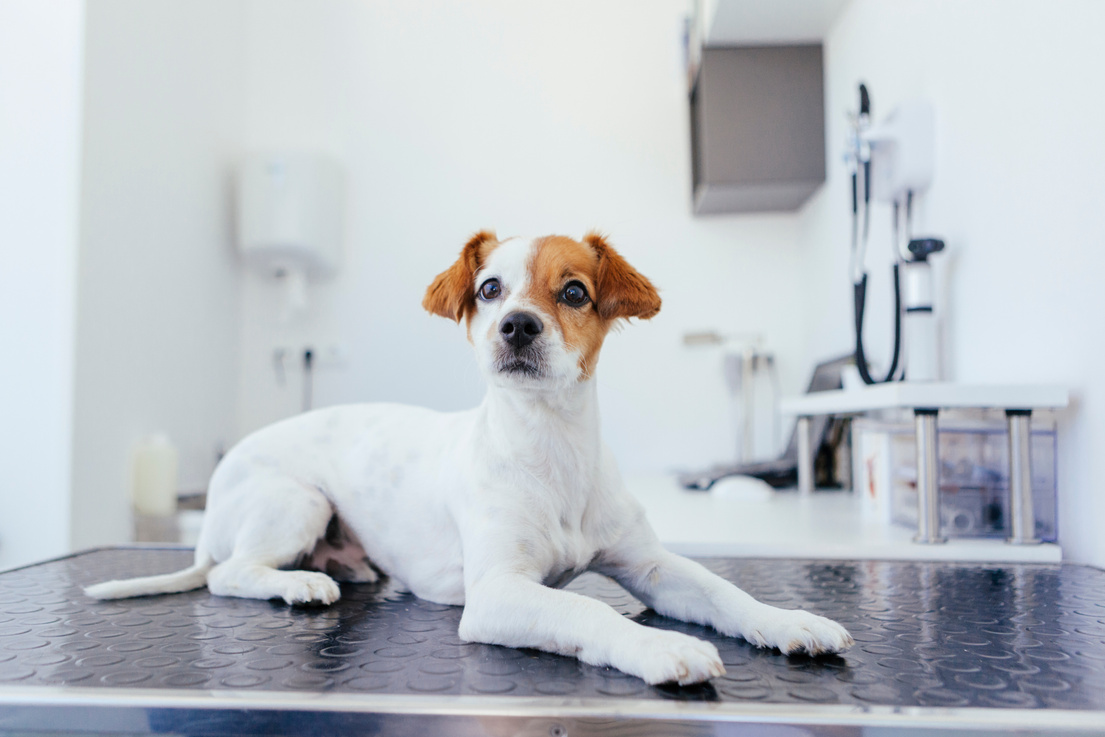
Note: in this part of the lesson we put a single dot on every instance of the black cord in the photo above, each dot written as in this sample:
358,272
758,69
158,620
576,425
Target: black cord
908,214
855,192
854,264
855,211
308,378
860,297
866,198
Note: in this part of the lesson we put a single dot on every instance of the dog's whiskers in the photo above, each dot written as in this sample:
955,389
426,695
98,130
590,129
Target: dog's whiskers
529,362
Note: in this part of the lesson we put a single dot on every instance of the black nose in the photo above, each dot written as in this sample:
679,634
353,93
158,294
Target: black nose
520,328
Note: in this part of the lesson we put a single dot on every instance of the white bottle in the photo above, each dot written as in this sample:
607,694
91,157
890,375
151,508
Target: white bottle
154,476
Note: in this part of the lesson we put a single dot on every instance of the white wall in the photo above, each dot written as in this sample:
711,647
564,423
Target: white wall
158,285
529,118
1018,196
525,117
40,117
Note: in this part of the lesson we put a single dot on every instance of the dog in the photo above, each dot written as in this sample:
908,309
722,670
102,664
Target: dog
495,508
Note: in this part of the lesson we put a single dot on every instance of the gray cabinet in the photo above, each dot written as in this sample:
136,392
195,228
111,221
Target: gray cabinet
757,128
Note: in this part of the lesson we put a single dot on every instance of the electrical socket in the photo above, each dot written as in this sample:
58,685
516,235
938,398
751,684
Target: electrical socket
328,355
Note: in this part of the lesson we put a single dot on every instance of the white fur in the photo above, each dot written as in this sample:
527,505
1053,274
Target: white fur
488,508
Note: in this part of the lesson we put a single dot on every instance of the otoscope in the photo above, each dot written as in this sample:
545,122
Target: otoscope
859,159
901,149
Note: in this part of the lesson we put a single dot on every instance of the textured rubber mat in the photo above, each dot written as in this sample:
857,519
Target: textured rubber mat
927,634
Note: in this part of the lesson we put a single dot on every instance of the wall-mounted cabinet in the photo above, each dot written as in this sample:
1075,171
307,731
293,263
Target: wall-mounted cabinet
757,128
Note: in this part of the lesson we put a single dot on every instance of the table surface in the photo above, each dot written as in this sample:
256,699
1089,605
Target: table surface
932,395
942,641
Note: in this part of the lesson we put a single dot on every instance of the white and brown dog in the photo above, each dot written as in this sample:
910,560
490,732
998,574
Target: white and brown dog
493,508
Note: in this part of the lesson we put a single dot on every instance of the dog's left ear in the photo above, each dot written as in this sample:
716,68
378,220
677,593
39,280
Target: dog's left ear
451,295
622,290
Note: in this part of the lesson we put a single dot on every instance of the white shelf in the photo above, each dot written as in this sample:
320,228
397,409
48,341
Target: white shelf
742,517
752,22
937,395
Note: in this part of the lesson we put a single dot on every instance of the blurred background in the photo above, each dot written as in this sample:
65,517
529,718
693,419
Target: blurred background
126,309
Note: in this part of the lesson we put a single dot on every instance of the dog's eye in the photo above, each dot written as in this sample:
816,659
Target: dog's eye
574,294
490,290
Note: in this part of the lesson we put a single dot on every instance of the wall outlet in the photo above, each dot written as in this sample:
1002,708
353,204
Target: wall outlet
328,355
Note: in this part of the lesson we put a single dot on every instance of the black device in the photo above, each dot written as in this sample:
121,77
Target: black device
922,248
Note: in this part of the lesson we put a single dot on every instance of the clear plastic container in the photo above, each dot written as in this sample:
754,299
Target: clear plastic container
974,476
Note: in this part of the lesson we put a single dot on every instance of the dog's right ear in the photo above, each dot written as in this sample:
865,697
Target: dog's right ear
452,294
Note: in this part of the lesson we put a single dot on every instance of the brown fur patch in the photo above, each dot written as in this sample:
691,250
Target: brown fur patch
452,293
558,260
615,288
622,290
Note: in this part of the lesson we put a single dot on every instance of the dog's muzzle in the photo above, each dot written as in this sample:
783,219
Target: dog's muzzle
520,352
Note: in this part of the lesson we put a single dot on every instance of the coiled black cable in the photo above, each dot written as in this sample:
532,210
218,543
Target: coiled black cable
860,297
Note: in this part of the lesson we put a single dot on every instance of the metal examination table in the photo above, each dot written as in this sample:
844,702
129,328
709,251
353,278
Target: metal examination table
981,648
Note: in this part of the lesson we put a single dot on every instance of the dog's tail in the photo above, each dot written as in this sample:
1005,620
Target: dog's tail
168,583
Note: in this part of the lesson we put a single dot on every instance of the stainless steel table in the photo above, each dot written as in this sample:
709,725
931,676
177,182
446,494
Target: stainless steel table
990,649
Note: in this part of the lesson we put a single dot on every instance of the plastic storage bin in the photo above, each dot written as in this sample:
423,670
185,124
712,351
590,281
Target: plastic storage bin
974,476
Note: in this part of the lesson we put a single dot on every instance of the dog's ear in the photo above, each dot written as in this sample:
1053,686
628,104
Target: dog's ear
622,290
451,294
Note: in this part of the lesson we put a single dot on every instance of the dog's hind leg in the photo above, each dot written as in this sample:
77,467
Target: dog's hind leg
340,555
256,580
274,535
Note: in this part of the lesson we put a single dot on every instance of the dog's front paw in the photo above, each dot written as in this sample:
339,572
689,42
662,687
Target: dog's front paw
794,631
666,657
306,587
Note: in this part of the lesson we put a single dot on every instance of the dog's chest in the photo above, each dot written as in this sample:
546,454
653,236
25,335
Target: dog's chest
563,549
565,570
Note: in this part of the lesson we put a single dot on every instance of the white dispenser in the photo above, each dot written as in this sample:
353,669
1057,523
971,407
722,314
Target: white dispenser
902,149
154,464
290,208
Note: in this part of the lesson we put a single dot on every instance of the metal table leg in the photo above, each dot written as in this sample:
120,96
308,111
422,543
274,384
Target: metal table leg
805,456
928,478
1022,517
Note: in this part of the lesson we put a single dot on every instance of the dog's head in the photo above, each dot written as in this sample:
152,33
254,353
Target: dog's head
538,309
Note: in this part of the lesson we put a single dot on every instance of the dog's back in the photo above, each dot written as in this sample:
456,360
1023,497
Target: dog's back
360,488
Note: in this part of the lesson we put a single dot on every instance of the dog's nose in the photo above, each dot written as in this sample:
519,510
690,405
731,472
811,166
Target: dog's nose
519,329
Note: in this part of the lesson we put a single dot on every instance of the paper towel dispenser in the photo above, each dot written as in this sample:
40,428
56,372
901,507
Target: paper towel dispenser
289,213
757,128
